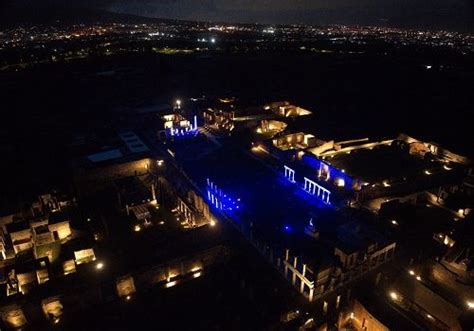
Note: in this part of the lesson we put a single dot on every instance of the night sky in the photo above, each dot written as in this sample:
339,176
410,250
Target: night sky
439,14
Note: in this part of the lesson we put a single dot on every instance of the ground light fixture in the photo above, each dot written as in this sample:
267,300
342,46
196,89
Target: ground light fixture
393,295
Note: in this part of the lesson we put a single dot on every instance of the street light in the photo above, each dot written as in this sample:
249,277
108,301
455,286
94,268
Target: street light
178,103
99,266
470,304
213,223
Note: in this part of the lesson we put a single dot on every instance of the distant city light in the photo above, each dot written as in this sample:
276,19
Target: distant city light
394,222
418,277
99,266
213,40
128,297
427,172
137,228
386,183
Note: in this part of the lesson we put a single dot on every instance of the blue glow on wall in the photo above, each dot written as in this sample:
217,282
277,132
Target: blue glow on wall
190,131
334,173
317,190
289,174
220,199
310,186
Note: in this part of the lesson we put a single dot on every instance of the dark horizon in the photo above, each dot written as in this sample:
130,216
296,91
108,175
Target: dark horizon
455,15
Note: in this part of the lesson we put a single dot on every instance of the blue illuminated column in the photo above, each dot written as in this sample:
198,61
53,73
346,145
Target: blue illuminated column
307,184
290,174
311,187
219,199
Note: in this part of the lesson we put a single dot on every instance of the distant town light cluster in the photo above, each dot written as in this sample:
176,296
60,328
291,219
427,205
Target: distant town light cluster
32,44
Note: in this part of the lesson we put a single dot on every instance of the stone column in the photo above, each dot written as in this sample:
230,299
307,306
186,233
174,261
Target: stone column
302,282
295,263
